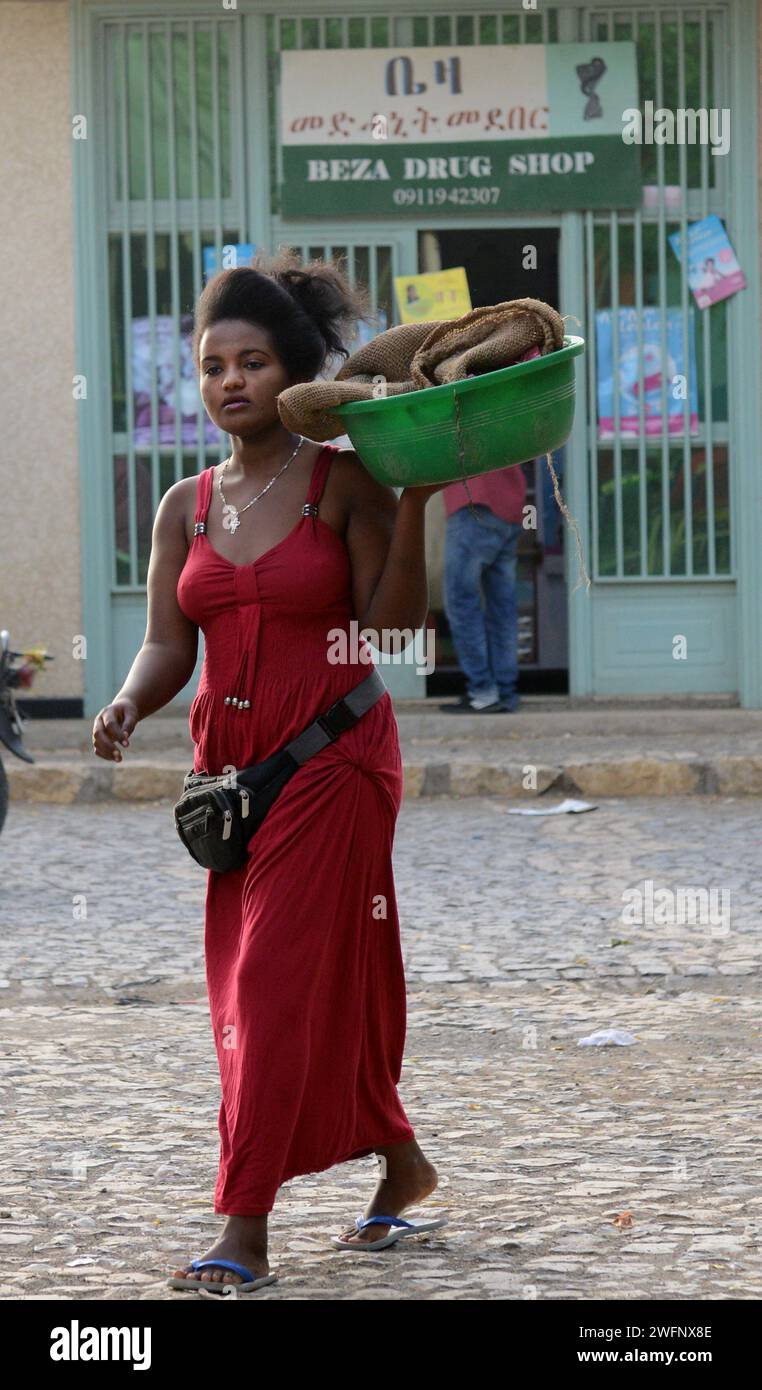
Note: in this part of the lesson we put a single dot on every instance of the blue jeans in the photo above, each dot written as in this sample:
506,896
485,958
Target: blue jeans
482,552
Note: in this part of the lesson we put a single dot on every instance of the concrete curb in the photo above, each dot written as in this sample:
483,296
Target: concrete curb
69,781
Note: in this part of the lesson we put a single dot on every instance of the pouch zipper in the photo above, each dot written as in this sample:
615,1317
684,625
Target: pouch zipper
192,818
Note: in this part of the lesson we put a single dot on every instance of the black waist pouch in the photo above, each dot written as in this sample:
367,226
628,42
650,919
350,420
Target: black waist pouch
216,816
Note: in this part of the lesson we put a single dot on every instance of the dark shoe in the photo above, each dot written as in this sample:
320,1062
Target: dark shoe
509,703
465,707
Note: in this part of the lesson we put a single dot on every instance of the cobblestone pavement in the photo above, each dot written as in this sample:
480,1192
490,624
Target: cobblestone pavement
515,948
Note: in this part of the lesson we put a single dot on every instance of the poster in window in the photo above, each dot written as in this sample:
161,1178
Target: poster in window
659,372
164,332
713,270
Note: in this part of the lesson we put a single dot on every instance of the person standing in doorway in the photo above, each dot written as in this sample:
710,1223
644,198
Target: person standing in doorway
481,540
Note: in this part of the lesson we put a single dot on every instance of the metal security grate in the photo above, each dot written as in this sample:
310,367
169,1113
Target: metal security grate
176,185
660,501
426,30
178,179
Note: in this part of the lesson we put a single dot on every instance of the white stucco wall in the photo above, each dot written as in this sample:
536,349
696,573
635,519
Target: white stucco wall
39,482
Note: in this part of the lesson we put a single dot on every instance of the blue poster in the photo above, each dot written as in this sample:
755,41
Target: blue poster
656,372
235,254
713,270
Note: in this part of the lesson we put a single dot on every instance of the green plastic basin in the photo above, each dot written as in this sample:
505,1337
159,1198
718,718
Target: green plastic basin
507,416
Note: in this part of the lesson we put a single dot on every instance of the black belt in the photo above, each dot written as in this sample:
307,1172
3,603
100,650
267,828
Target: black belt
342,715
216,816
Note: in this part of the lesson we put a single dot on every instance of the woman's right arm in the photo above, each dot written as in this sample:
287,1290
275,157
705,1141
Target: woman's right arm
167,658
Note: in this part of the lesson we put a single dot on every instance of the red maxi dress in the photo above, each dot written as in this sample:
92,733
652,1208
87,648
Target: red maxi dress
303,957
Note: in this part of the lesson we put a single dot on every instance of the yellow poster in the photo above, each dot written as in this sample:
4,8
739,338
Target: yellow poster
440,294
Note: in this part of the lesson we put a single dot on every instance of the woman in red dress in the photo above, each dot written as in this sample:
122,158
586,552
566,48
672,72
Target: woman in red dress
303,958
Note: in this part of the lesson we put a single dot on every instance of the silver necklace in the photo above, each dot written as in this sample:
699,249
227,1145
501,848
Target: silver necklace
231,515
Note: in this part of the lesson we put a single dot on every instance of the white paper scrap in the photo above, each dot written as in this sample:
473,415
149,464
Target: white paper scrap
568,805
608,1037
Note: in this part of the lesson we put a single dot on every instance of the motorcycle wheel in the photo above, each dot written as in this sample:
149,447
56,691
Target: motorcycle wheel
3,794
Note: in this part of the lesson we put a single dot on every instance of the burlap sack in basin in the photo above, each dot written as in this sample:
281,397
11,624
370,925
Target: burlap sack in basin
413,356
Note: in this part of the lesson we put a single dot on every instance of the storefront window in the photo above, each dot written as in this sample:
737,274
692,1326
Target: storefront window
650,559
668,513
193,112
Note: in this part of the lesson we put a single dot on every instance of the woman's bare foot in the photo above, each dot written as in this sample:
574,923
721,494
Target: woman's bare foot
243,1240
409,1177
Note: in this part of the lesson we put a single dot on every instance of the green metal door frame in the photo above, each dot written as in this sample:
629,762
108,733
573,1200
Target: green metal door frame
92,346
745,398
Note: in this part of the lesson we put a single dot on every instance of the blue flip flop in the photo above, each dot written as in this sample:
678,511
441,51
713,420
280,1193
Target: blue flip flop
400,1228
217,1285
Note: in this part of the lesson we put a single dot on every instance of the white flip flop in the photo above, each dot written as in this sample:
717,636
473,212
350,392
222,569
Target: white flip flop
400,1228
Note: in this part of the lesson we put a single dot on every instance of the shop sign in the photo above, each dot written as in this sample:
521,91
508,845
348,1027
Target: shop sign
476,129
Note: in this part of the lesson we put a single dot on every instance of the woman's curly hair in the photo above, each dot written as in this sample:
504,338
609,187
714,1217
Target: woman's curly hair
308,308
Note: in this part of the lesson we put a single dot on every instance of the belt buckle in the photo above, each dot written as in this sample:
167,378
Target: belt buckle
342,716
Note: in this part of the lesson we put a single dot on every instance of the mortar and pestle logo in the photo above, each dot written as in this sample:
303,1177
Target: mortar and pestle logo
589,75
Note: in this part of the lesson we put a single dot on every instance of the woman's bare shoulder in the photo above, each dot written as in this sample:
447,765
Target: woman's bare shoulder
355,480
178,506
